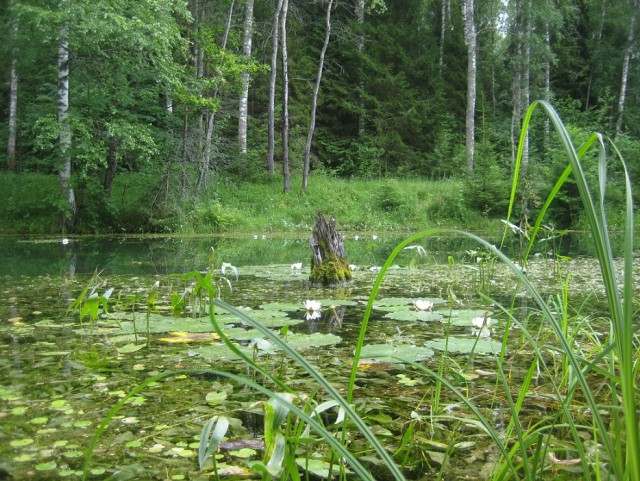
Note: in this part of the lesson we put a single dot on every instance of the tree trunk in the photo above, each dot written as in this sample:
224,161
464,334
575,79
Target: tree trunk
471,41
210,117
13,116
625,65
272,88
360,40
603,12
244,96
112,165
285,98
443,30
329,264
13,102
64,174
314,100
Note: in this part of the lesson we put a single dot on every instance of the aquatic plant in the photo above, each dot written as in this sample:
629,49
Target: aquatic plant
602,444
526,451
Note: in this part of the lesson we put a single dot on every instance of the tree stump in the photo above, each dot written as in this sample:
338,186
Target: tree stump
329,264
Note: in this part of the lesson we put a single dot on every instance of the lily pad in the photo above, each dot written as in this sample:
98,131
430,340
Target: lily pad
400,303
318,467
462,317
465,345
407,314
397,353
189,337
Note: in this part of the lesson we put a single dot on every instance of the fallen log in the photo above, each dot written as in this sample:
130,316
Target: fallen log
329,264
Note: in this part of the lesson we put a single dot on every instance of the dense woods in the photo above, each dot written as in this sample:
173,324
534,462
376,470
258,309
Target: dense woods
191,93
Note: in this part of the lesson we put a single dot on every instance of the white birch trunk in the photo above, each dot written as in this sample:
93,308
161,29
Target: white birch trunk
625,65
65,127
275,34
13,104
360,40
244,96
285,97
314,100
468,8
13,116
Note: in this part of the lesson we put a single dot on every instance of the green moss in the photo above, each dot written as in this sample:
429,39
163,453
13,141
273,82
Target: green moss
332,271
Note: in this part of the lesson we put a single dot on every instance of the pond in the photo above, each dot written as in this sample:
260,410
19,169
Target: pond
67,356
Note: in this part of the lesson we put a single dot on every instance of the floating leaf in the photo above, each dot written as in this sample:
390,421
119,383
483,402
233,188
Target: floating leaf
129,348
319,468
465,345
18,443
48,466
407,314
216,397
397,353
189,337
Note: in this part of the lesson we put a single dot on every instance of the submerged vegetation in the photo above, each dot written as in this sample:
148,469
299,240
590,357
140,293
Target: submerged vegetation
486,366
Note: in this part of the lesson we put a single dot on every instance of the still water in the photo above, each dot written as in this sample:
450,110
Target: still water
61,371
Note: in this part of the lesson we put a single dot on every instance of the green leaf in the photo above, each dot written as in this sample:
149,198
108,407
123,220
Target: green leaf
212,433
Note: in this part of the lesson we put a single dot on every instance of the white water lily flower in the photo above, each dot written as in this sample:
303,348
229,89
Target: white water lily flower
481,322
296,266
65,241
312,305
353,267
482,332
313,309
226,265
422,305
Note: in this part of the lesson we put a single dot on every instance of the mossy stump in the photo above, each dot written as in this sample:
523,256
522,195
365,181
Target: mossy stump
329,264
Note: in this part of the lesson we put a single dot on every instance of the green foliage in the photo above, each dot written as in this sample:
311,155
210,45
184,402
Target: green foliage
486,190
213,216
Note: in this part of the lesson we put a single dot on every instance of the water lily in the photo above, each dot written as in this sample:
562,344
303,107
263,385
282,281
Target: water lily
65,241
481,322
422,305
353,267
296,266
313,309
482,332
231,267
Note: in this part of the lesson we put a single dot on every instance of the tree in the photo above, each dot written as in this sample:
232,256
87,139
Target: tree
285,97
629,48
314,99
470,34
64,126
244,96
271,111
13,98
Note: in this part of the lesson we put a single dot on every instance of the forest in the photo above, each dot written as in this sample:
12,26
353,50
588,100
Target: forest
118,111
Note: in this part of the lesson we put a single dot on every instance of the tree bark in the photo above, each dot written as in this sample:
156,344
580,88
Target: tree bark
13,116
314,100
471,41
625,65
329,264
112,164
285,98
64,126
360,40
272,88
244,96
13,103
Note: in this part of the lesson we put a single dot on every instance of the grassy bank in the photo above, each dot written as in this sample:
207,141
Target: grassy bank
31,204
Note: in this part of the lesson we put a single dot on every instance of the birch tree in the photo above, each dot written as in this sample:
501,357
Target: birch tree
13,99
244,95
285,97
470,34
314,99
64,125
625,64
275,33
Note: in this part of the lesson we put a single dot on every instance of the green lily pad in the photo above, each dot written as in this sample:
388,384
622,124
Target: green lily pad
398,353
18,443
465,345
462,317
307,341
319,468
406,314
48,466
401,303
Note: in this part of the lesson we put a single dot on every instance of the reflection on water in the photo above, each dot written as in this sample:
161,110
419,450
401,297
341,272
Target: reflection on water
177,254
